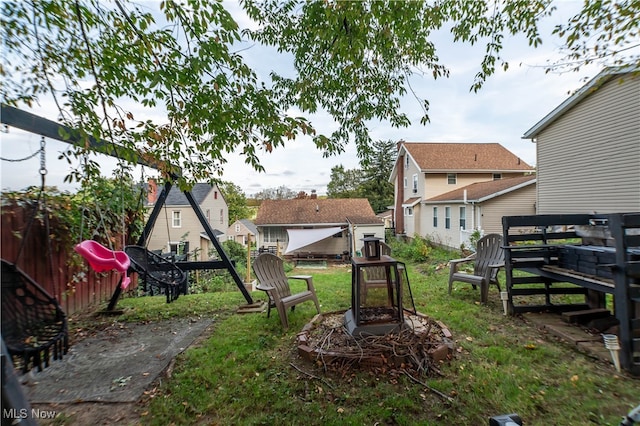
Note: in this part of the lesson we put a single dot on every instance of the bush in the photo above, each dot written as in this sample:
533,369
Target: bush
416,249
211,281
420,249
236,252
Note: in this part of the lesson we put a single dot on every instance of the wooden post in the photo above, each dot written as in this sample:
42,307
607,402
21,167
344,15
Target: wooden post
247,280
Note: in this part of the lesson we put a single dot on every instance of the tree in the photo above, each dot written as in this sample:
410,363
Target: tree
344,182
279,193
169,84
375,185
371,181
236,201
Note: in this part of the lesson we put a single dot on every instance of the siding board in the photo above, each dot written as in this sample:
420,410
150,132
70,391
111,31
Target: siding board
589,158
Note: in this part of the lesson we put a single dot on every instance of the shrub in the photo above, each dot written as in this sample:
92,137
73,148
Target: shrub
416,249
236,252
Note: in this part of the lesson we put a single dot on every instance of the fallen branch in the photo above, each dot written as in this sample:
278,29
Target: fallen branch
436,391
312,376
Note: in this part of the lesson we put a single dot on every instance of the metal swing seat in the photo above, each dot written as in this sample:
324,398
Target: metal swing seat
159,275
34,326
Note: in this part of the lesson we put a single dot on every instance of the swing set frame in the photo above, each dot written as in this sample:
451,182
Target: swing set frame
14,117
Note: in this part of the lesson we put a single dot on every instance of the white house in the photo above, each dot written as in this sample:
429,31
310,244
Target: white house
425,170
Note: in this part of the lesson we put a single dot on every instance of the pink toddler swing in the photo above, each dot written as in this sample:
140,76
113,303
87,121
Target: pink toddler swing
102,259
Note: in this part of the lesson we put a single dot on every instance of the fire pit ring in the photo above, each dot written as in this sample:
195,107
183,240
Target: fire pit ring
422,344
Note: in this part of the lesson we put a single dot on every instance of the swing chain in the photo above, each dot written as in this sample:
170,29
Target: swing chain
43,157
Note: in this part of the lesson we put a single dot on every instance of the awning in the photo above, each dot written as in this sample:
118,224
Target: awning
299,238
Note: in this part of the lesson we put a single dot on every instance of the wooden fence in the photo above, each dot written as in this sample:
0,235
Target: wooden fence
75,288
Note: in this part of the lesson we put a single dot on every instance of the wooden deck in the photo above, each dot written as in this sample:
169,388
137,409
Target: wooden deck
547,260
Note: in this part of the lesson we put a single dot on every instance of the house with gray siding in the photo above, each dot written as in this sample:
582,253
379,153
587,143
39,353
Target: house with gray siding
588,148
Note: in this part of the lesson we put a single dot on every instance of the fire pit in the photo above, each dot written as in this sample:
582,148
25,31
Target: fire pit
382,330
418,348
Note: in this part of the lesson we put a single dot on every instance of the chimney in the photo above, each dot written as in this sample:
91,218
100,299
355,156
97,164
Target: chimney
313,194
152,191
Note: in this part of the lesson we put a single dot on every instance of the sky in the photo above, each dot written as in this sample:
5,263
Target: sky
510,103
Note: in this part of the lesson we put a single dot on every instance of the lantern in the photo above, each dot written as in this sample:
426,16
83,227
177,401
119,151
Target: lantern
371,248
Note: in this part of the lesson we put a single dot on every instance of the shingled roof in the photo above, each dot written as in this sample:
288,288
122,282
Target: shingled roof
311,211
481,191
177,198
459,157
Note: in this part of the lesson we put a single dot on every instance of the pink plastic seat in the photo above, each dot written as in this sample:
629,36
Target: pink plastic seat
102,259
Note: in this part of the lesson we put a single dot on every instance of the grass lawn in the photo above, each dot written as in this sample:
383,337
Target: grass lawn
243,373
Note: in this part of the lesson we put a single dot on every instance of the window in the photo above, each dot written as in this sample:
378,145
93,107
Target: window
177,247
230,237
435,217
176,219
415,184
406,161
208,214
274,234
463,217
406,182
452,178
447,217
237,227
221,215
497,176
408,211
215,195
